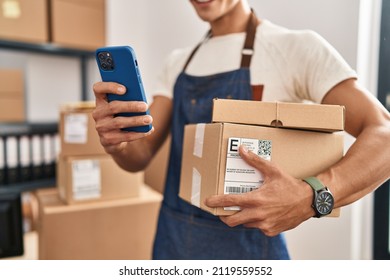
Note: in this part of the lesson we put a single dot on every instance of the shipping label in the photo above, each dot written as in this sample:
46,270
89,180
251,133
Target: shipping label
86,179
76,128
240,177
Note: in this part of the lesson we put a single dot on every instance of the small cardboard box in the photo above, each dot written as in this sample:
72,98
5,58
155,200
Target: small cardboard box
24,20
205,165
78,135
121,229
316,117
12,102
78,23
83,179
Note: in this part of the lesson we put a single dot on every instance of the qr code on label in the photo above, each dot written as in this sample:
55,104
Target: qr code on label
264,148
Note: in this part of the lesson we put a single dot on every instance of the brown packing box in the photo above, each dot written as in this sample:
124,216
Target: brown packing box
83,179
317,117
299,153
11,83
12,110
12,102
120,229
78,23
77,130
24,20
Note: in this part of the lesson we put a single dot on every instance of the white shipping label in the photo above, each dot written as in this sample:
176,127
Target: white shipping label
76,128
11,9
240,177
86,179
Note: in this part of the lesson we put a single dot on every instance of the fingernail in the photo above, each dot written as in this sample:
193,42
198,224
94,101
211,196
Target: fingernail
121,89
147,119
142,106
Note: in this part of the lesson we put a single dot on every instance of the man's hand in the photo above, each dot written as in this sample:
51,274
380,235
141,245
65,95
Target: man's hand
280,204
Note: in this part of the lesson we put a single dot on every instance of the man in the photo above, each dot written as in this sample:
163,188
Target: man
290,66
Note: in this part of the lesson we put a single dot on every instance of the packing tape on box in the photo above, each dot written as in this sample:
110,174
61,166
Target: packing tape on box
198,152
195,190
199,139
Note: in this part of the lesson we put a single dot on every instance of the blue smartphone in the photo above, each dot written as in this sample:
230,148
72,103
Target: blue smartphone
119,64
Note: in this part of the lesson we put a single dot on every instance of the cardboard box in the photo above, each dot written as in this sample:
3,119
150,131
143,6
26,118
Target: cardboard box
83,179
316,117
111,230
156,171
204,166
12,101
11,83
78,135
24,20
78,23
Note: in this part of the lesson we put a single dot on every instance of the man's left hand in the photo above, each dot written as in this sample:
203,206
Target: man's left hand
281,203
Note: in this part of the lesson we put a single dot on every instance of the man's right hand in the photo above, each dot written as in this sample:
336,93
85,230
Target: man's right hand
112,138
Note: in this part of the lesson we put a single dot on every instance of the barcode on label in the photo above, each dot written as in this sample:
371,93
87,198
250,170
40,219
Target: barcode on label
264,148
238,190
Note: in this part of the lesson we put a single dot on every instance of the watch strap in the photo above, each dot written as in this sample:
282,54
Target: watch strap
314,183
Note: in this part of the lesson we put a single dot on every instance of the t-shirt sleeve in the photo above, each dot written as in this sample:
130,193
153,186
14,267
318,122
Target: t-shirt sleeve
321,68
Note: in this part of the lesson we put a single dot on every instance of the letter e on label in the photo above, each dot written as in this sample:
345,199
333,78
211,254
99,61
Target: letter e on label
234,143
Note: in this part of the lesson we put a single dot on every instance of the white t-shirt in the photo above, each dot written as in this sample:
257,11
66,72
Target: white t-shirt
292,65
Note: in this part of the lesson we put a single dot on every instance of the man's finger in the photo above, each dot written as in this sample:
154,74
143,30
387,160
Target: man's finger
102,88
266,167
226,200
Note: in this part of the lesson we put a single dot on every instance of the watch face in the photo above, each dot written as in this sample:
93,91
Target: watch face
324,203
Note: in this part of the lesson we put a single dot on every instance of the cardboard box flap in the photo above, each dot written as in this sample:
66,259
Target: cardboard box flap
315,117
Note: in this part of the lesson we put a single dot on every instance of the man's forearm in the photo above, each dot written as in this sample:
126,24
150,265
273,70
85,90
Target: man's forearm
365,166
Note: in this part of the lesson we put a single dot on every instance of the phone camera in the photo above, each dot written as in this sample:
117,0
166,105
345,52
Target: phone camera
106,61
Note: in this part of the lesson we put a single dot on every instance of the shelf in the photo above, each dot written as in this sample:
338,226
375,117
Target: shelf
53,49
24,128
27,186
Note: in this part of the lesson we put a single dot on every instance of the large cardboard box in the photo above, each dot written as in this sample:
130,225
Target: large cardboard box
78,23
78,135
24,20
211,162
118,229
12,101
307,116
83,179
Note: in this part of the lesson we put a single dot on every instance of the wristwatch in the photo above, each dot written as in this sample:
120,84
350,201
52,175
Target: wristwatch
323,200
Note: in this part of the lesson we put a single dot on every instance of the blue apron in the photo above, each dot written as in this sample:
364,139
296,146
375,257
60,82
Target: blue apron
185,231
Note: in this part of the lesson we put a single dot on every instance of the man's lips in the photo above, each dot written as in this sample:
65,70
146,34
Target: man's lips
202,1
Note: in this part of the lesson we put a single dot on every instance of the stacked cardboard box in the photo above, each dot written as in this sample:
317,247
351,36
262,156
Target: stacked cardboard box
98,210
302,139
12,101
76,24
84,171
120,229
24,20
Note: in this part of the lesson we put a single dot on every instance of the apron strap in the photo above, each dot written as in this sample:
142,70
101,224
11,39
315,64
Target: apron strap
208,35
247,51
